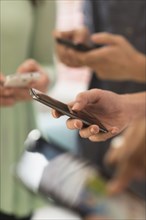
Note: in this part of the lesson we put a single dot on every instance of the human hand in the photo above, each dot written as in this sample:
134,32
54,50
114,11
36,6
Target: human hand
106,106
95,217
22,94
6,94
65,54
117,60
129,157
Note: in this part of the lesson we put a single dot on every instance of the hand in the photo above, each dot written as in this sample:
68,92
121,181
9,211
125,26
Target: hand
129,158
6,94
22,94
108,107
65,54
117,60
95,217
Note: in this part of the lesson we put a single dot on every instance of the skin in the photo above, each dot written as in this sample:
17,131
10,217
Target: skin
116,60
10,96
116,112
95,217
129,158
65,54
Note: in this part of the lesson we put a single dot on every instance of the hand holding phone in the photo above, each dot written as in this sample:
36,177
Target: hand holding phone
78,47
21,80
64,109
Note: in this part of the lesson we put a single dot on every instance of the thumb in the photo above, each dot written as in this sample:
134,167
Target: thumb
28,66
104,38
81,36
2,77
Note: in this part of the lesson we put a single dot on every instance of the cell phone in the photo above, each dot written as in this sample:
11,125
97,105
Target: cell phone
79,47
64,109
21,80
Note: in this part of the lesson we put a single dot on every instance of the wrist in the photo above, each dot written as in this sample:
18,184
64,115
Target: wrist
140,74
134,106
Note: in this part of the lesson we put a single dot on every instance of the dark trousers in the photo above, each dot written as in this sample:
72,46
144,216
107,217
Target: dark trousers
4,216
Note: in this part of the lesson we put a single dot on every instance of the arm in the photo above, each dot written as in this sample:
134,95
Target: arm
129,157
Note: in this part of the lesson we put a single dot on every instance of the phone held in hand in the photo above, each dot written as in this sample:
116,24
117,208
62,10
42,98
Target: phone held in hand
63,108
78,47
21,80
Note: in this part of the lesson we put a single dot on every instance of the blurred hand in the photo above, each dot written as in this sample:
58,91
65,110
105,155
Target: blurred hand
22,94
106,106
6,94
117,60
64,53
95,217
129,158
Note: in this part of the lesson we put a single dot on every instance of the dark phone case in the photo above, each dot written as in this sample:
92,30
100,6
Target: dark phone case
78,47
64,109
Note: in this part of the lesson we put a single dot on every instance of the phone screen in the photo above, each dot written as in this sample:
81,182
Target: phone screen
85,116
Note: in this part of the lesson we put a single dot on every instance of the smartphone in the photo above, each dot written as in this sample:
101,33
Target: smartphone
21,80
78,47
63,108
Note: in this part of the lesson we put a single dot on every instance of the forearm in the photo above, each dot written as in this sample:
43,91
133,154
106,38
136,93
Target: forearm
134,105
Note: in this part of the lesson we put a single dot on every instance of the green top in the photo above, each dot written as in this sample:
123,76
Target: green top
25,33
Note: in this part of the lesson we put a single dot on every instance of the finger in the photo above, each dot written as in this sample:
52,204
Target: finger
22,94
96,217
73,58
89,131
6,102
85,98
28,66
104,136
2,79
81,35
100,137
6,92
74,124
55,113
63,34
106,38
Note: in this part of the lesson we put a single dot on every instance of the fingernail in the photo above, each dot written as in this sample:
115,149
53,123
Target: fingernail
94,130
114,130
75,107
77,125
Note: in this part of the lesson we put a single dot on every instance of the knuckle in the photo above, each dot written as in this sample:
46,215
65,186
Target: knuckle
31,61
82,134
93,138
120,38
80,96
105,34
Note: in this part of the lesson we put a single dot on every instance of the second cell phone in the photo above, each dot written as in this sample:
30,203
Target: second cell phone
78,47
63,108
21,80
